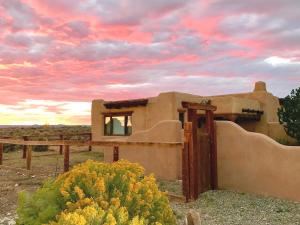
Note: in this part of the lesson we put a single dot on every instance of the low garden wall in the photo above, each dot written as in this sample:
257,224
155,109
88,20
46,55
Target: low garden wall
255,163
162,160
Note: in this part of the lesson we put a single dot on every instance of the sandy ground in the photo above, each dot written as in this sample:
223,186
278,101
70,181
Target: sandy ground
15,178
215,207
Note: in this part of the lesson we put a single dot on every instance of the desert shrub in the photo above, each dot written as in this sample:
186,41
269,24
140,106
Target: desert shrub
98,193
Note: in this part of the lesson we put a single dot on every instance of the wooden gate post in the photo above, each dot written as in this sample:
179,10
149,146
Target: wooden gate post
1,153
116,154
28,157
61,137
25,138
214,159
188,128
211,130
66,158
193,154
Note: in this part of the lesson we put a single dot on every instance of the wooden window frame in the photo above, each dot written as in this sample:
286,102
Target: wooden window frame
115,114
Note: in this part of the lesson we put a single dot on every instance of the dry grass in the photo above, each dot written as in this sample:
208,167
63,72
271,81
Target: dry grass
15,178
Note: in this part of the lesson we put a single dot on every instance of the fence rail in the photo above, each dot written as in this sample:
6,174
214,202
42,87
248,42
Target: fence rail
85,143
65,147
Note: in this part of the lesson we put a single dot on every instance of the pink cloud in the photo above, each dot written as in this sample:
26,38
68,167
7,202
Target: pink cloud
64,52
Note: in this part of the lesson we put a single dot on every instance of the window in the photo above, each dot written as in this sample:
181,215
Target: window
117,125
181,118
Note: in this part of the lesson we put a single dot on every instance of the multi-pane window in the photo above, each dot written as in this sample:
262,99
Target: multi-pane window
117,125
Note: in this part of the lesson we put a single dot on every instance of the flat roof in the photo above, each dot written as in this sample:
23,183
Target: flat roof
126,103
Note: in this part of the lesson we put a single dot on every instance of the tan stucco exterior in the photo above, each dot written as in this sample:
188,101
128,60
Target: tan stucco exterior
252,162
166,105
247,161
163,161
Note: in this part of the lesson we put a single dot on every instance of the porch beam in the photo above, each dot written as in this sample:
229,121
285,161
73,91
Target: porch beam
198,106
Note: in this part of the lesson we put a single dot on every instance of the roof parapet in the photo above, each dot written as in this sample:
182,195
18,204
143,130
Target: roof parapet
260,86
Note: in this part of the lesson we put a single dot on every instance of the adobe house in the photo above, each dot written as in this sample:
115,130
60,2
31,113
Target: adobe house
255,111
240,154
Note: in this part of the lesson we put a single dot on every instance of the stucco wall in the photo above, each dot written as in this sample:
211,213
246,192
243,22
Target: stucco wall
255,163
163,161
165,107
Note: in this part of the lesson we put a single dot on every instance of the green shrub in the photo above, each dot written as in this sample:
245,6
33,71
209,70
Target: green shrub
98,193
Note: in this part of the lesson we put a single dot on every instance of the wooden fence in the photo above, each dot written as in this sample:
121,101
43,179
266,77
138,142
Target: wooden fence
67,143
188,176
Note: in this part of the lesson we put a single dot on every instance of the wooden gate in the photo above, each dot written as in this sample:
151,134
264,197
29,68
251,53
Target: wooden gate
199,156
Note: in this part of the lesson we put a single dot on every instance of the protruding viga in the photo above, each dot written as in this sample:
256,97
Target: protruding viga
192,218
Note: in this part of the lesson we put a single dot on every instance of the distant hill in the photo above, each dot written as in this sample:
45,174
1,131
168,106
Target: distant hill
27,126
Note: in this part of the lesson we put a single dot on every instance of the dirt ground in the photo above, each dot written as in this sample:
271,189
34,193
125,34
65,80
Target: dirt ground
15,178
215,207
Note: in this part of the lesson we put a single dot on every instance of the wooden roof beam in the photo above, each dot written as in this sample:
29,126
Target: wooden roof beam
126,103
198,106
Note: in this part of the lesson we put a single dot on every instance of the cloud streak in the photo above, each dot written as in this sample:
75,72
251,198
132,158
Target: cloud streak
67,54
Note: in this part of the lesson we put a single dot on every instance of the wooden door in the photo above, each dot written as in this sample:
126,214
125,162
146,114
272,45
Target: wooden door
204,165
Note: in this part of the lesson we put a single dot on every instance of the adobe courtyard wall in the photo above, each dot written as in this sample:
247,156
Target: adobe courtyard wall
255,163
164,161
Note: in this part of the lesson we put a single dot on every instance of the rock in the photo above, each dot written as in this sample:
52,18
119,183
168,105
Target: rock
192,218
16,185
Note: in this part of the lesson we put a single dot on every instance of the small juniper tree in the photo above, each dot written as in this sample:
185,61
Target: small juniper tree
289,114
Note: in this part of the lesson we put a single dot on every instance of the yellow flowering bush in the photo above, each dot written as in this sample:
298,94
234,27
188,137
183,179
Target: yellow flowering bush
98,193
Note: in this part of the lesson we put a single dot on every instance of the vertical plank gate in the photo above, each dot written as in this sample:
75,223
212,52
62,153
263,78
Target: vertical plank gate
199,156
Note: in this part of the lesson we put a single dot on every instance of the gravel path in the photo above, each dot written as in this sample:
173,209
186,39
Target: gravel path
9,219
231,208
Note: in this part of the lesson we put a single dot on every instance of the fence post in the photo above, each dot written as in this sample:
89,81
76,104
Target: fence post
28,157
187,184
90,147
116,154
66,158
25,138
61,137
1,153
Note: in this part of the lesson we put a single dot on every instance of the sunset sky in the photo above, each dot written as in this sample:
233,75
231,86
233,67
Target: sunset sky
58,55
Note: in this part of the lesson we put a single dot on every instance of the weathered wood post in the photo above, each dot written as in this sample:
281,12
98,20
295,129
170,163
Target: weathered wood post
214,159
116,154
211,130
66,158
188,129
1,153
61,137
28,157
90,137
25,138
193,155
